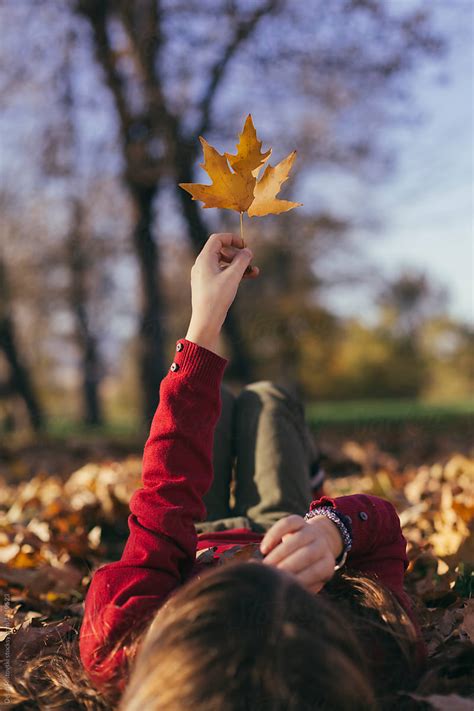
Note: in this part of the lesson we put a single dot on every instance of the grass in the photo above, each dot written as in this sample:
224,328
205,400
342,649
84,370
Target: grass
349,413
113,429
354,412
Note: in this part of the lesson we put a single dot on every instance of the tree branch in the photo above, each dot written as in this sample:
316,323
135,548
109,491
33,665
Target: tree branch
95,11
242,32
143,30
142,22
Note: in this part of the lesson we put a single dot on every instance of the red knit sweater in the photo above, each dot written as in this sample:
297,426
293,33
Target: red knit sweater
160,553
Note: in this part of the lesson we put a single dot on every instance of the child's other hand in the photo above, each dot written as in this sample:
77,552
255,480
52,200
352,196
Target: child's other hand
305,549
215,278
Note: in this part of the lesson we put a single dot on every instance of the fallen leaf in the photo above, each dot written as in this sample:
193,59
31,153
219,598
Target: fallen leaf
245,552
7,553
206,556
45,579
467,624
62,530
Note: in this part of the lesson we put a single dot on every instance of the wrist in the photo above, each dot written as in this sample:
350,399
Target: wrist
206,337
343,524
335,540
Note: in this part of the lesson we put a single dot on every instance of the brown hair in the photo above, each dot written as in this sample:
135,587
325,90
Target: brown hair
52,681
384,630
247,637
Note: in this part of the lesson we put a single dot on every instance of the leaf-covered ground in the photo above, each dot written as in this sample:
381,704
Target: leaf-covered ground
55,529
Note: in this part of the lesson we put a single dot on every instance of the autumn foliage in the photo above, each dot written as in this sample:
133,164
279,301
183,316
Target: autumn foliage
54,532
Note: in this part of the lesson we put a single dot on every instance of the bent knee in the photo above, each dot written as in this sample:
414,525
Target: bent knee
268,392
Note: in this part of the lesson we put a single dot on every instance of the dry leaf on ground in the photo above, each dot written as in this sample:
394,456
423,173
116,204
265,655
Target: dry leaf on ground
54,533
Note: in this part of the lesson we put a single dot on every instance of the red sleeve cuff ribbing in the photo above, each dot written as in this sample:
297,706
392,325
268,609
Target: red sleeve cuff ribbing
323,501
198,362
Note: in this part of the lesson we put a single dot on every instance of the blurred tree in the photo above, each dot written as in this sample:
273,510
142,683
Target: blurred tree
78,259
291,335
408,300
372,362
322,79
18,381
449,348
175,73
396,357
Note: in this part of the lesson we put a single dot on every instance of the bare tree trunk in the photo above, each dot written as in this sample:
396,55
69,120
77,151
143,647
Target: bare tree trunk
20,381
151,331
141,175
241,365
87,342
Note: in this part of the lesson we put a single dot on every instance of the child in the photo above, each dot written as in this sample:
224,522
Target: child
254,635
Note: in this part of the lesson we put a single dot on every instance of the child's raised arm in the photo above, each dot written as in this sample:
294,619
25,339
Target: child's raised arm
177,472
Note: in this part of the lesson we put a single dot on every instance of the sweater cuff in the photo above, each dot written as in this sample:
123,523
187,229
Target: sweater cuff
198,362
323,501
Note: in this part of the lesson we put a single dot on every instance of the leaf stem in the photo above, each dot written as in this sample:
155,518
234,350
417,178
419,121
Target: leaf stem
242,227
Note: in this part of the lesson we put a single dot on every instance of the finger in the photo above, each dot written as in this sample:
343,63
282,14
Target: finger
316,575
274,535
290,544
310,580
251,272
219,240
298,561
240,262
227,254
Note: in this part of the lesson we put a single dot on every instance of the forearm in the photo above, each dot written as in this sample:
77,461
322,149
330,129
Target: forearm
177,465
160,549
204,336
177,472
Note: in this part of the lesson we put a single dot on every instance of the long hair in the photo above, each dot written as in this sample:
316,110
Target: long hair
52,681
246,637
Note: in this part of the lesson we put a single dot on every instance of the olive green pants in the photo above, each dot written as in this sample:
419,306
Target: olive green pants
261,440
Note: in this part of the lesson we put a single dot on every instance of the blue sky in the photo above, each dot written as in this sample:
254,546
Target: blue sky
426,208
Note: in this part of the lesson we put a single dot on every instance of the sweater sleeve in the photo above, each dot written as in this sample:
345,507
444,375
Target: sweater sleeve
378,545
161,547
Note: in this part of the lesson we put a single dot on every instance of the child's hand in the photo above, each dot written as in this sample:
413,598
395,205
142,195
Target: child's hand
306,549
215,279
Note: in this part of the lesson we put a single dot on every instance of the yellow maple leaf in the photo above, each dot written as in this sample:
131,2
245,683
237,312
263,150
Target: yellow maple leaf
250,157
234,177
265,201
233,191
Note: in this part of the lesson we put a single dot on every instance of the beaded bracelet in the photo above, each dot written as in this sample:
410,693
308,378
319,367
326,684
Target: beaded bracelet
343,527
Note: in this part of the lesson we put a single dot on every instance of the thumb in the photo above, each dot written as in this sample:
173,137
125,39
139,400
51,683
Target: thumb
240,262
